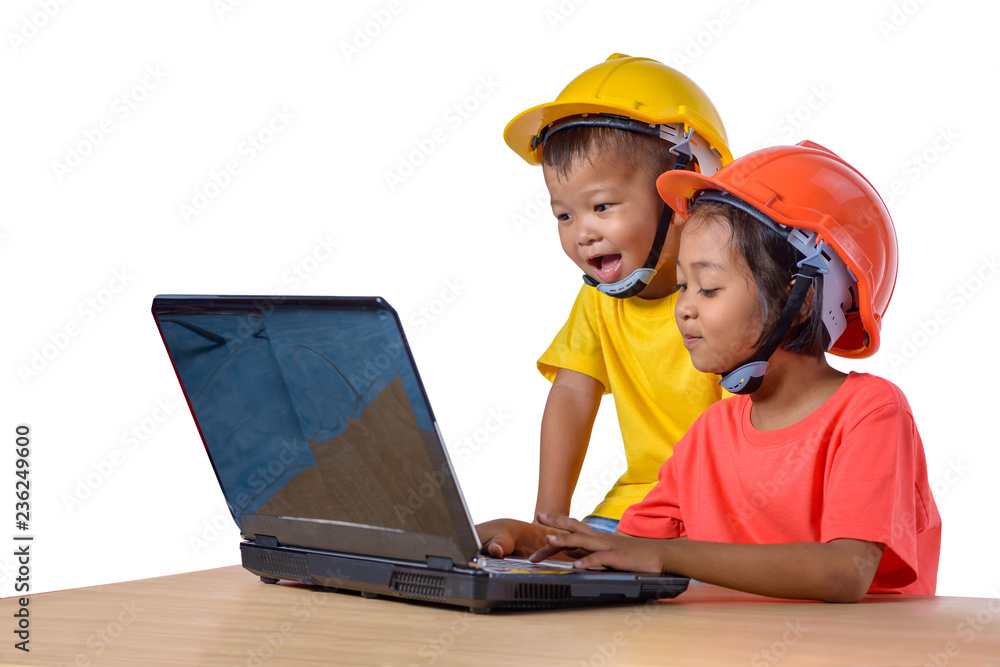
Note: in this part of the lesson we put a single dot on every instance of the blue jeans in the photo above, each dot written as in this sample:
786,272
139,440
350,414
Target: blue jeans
601,524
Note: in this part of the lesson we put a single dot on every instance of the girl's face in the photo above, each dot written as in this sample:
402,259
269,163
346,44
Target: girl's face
718,309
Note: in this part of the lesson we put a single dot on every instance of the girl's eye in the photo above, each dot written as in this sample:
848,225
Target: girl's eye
709,292
680,287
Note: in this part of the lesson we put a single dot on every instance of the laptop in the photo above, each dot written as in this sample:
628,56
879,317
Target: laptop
329,457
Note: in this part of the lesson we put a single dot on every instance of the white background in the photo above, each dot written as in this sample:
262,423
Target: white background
154,100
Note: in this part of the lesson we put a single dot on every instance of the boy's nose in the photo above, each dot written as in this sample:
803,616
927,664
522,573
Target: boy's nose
587,233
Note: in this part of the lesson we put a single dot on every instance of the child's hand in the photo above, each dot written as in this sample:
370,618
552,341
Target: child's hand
509,537
594,550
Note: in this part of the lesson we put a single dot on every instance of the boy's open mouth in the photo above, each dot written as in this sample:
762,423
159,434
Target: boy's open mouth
606,266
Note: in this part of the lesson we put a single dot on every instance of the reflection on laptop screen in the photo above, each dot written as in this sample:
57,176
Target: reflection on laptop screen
314,413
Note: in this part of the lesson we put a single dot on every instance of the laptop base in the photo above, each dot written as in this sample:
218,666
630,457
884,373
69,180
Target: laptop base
474,590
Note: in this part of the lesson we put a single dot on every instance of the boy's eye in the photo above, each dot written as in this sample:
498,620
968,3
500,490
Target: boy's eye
562,217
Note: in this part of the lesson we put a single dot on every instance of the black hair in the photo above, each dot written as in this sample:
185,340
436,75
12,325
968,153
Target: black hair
631,151
772,263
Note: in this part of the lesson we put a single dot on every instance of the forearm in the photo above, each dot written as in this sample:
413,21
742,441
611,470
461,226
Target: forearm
560,461
836,571
567,423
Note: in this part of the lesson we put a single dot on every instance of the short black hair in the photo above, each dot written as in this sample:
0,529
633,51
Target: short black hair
772,263
632,151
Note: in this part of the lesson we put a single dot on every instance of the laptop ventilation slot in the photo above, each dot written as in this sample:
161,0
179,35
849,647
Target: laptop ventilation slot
418,586
284,565
528,595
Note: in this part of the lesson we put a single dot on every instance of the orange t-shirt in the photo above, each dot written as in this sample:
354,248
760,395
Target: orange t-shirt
855,468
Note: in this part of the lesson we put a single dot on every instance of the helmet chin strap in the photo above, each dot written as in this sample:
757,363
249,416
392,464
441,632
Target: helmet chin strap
640,278
747,378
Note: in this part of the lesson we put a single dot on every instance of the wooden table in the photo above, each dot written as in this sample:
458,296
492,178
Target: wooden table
227,617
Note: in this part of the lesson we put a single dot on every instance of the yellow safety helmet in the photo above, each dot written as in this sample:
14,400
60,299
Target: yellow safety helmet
663,100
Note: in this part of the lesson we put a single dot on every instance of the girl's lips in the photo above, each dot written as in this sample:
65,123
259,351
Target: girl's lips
607,267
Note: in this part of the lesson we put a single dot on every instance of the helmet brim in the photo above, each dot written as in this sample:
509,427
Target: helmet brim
524,127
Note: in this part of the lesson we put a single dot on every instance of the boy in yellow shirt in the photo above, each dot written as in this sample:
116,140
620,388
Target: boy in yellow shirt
602,143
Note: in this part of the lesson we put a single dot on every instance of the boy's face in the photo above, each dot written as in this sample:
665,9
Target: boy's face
718,308
607,221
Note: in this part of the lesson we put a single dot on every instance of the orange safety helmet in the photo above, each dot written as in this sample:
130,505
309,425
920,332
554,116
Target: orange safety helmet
657,98
809,187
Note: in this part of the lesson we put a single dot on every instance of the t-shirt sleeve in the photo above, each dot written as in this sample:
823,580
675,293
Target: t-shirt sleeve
577,346
659,513
873,491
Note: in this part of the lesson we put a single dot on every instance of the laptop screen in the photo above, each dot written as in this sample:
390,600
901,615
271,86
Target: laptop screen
316,423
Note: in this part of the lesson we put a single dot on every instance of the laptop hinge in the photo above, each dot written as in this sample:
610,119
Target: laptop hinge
265,541
440,563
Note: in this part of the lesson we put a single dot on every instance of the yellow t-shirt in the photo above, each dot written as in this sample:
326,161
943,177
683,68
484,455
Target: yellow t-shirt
633,347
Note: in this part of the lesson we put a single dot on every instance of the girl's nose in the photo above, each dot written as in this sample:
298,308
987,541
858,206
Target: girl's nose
684,309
